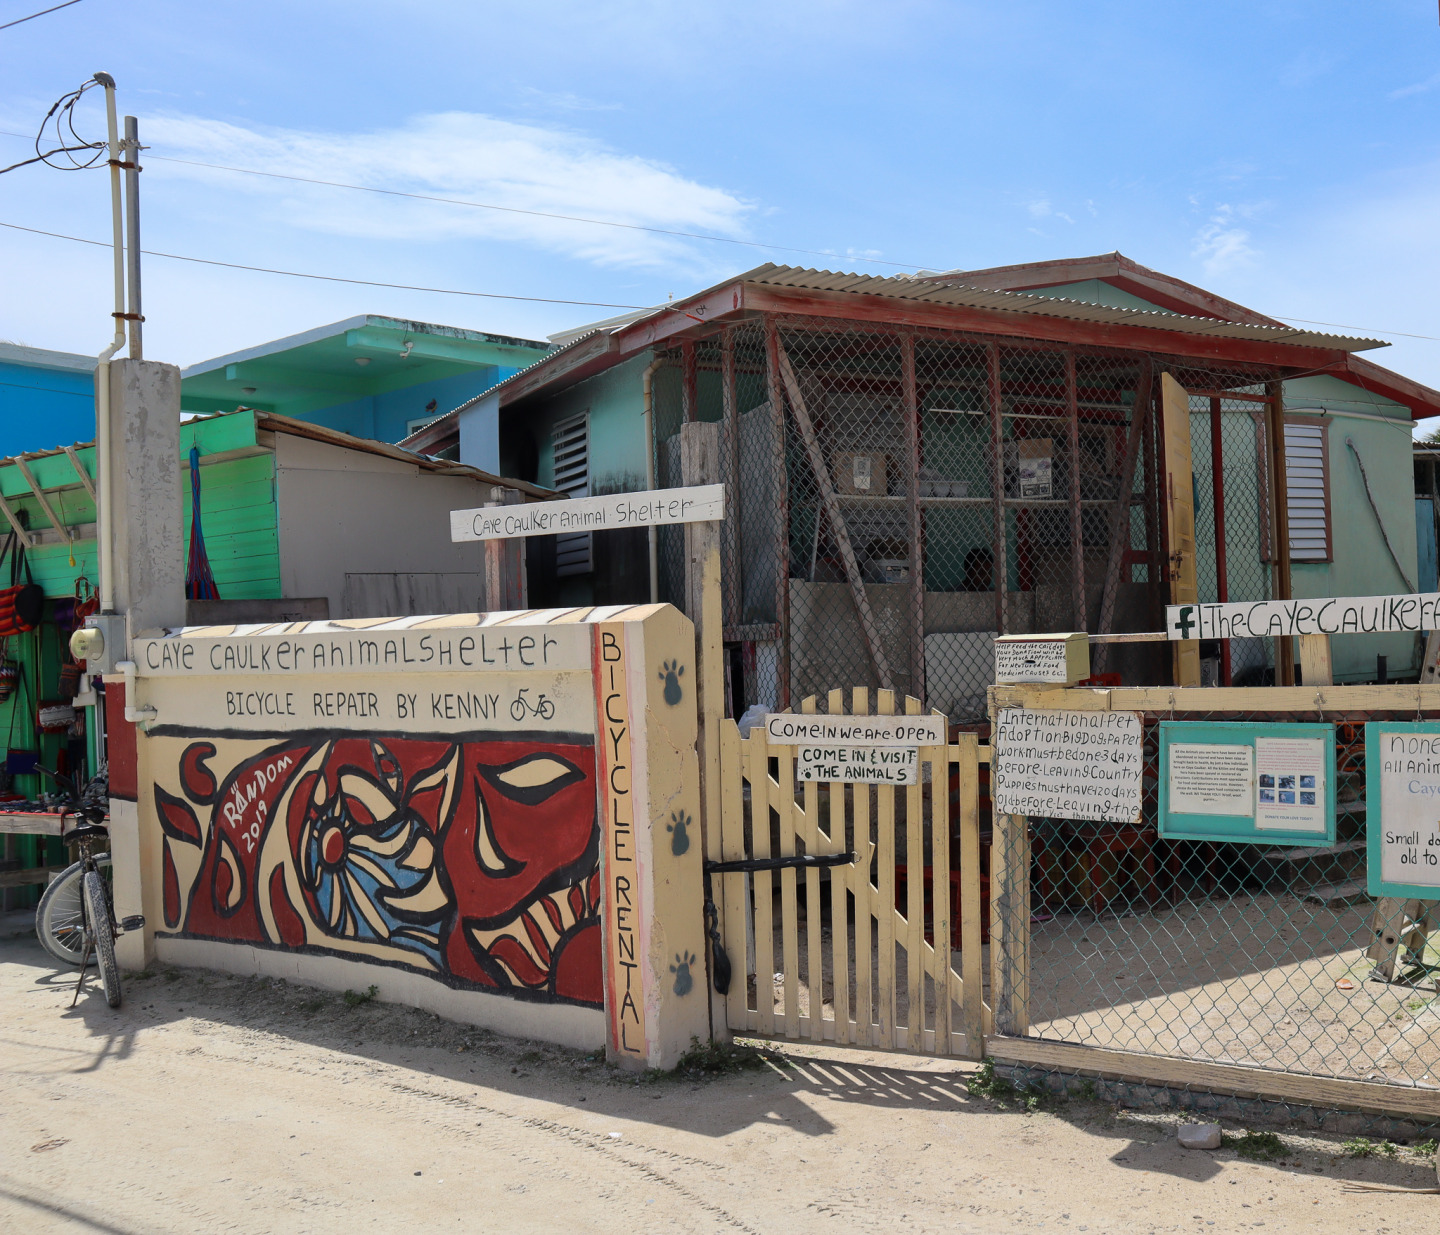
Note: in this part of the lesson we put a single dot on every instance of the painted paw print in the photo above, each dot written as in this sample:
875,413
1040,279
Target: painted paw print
671,671
680,838
681,970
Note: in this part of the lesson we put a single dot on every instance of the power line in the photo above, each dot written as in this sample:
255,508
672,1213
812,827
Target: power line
332,278
538,214
41,13
662,231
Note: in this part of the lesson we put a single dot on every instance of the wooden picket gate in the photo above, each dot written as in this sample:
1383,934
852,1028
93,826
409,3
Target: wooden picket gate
859,965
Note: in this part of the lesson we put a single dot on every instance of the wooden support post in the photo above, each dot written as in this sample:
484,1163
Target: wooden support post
505,584
782,511
1010,924
1155,572
972,1015
1120,515
997,482
700,465
911,412
1217,503
690,385
1315,665
1280,521
1180,520
1077,529
868,626
730,446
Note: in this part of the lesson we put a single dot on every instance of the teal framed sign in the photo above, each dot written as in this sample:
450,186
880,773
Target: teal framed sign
1402,825
1258,784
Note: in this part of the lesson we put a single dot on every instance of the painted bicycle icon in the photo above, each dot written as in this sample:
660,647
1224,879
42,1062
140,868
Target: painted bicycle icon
522,708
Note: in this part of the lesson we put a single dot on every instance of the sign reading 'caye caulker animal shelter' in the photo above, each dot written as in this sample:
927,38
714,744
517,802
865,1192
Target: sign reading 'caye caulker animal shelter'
694,504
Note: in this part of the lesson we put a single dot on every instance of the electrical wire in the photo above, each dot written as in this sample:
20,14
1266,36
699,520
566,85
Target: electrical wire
331,278
537,214
53,9
62,115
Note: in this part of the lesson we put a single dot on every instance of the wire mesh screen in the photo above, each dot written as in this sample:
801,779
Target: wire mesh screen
899,498
1271,956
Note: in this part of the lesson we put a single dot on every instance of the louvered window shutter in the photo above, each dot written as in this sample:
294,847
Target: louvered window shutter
1307,490
572,476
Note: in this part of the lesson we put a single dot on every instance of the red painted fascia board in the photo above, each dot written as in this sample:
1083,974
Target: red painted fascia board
858,306
1376,379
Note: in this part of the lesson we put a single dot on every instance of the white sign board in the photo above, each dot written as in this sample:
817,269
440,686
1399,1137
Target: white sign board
1368,615
787,729
1290,784
697,504
879,765
1062,658
1409,824
1068,765
1210,779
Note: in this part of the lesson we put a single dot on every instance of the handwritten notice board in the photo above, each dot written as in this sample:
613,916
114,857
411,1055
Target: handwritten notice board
1068,765
1402,775
1260,784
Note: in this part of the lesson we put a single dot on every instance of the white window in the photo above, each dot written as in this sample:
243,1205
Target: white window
572,476
1307,489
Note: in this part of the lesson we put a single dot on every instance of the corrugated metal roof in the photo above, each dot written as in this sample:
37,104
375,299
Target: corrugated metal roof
945,292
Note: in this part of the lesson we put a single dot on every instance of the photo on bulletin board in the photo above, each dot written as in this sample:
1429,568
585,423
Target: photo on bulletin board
1402,826
1251,783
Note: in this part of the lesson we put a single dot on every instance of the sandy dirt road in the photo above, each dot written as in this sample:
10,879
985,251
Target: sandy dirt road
214,1104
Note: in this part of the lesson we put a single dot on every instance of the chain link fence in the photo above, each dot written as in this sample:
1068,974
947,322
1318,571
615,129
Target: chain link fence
897,499
1272,957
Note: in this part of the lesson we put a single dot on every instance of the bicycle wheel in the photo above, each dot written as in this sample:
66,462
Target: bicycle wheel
97,913
59,917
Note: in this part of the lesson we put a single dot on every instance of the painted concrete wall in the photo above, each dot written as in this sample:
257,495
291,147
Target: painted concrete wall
489,818
347,511
386,416
46,399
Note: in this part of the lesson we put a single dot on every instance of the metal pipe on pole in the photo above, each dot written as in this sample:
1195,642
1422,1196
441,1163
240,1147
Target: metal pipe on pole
131,146
105,530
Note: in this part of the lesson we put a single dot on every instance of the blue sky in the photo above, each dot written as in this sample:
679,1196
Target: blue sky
1283,153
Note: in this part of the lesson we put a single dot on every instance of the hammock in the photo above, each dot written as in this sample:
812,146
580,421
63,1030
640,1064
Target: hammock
199,582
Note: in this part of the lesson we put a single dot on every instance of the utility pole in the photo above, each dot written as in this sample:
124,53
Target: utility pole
131,164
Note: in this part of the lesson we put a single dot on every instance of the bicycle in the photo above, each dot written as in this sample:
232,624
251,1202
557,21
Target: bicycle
76,914
522,707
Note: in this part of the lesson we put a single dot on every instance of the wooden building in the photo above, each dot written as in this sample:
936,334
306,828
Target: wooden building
917,463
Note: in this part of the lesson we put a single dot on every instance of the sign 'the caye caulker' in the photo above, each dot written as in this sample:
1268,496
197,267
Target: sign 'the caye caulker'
1345,615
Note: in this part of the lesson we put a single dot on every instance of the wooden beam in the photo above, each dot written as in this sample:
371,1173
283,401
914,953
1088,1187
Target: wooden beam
1402,1100
55,520
730,448
910,410
79,466
781,474
1077,532
1120,516
21,531
1000,566
1037,326
1280,506
1180,520
1342,700
841,533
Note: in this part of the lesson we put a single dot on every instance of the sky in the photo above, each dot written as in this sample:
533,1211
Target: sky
1283,153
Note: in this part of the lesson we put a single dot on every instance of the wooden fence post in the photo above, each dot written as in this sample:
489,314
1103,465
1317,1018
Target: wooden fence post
505,584
700,465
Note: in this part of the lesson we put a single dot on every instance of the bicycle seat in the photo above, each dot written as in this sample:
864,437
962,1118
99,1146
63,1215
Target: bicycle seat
86,831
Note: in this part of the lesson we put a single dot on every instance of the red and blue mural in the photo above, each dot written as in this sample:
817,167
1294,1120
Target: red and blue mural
472,861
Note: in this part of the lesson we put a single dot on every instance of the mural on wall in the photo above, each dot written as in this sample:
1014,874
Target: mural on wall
472,861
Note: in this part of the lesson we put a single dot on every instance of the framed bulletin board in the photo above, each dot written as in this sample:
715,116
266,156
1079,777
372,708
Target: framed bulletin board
1402,789
1259,784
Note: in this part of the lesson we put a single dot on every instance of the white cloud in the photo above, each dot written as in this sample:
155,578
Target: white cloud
1419,87
1221,245
459,155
